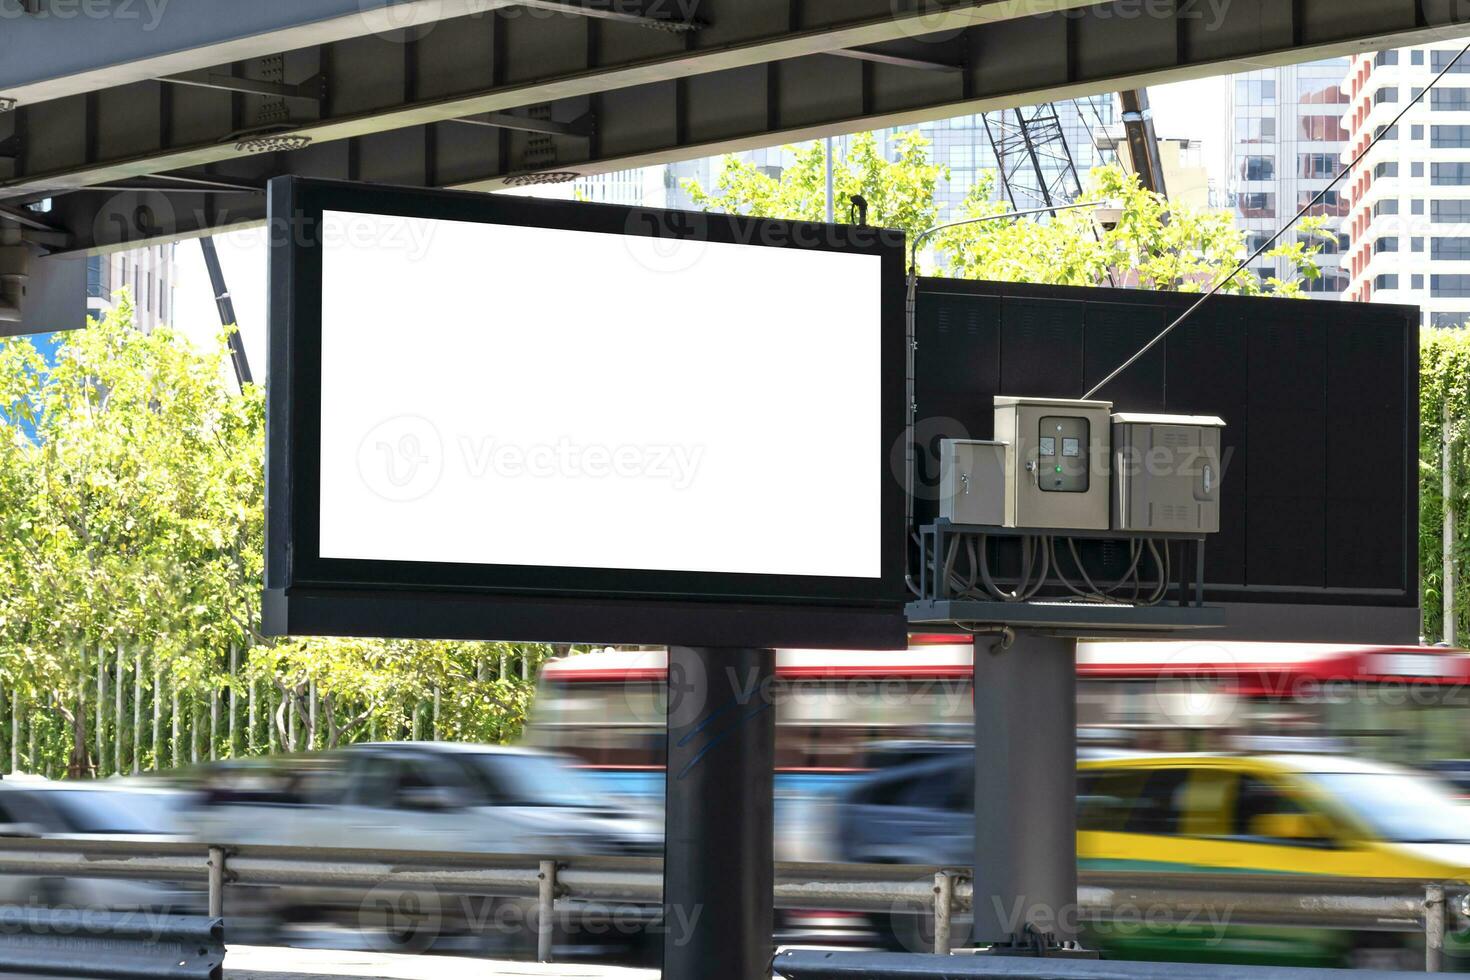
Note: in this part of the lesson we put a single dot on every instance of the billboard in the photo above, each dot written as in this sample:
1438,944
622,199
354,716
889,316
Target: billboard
506,418
1319,499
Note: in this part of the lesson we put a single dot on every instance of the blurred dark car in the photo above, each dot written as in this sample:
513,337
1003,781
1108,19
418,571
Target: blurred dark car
39,808
414,796
919,812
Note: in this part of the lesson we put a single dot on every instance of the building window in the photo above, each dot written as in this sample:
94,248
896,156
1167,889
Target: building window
1319,91
1449,137
1416,57
1380,171
1440,60
1453,286
1329,246
1416,169
1416,132
1383,58
1449,249
1321,166
1449,319
1255,130
1331,281
1449,212
1416,244
1416,206
1389,281
1390,206
1450,100
1258,168
1388,243
1333,204
1416,282
1387,94
1251,91
1325,129
1258,204
1257,240
1449,174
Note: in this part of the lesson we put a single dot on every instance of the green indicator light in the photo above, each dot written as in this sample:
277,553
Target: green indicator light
1059,469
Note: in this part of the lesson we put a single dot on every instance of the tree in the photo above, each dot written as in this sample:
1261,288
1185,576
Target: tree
1156,245
131,539
1444,408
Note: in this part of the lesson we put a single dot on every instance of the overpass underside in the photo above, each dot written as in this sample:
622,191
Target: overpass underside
168,122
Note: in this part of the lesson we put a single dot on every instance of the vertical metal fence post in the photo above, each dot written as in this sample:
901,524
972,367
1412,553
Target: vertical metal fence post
1434,915
545,911
216,882
943,912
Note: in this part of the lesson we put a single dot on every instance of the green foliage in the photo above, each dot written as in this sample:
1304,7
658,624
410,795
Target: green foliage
131,519
1444,405
1155,245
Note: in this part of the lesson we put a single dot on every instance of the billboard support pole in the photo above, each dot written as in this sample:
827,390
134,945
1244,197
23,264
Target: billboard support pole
719,872
1025,791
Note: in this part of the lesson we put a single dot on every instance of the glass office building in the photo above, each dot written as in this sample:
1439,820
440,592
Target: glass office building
1286,145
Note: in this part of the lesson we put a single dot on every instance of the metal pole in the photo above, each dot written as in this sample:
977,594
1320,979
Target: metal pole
226,307
216,882
719,876
1450,632
545,911
1025,788
831,203
1434,928
943,912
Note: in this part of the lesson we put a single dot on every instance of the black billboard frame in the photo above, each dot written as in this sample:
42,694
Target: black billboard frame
308,594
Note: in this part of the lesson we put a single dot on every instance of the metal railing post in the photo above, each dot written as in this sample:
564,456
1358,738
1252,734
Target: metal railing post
943,913
216,882
545,911
1434,915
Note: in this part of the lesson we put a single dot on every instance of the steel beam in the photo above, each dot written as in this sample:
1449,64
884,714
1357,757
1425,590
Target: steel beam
64,48
760,72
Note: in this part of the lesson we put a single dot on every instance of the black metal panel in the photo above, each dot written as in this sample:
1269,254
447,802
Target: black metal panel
1319,500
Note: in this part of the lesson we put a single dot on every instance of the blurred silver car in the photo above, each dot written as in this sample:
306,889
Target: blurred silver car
32,807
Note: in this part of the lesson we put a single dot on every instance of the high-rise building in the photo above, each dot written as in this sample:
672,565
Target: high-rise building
962,144
1286,146
148,274
1409,225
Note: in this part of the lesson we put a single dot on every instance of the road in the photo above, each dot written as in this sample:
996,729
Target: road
261,963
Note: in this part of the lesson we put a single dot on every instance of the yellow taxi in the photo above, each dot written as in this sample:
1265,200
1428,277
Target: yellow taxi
1284,814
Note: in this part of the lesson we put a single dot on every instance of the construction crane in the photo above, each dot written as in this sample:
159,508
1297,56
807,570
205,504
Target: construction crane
1036,166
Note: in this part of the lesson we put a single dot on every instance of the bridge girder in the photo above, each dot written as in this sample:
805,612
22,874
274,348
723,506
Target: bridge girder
504,95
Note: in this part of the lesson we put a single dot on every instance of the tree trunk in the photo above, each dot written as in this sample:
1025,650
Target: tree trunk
234,697
137,709
311,715
436,712
213,723
504,664
251,720
15,730
157,714
119,732
175,746
1447,457
193,731
101,710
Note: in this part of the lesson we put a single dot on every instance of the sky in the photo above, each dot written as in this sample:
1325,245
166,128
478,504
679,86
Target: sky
1194,110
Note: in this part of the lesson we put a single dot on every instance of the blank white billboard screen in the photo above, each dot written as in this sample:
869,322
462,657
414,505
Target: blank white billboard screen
504,395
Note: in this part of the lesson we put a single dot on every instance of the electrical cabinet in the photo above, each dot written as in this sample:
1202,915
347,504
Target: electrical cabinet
972,481
1056,461
1166,472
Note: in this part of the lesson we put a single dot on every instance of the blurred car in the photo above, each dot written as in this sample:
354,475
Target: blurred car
413,796
39,808
1282,814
